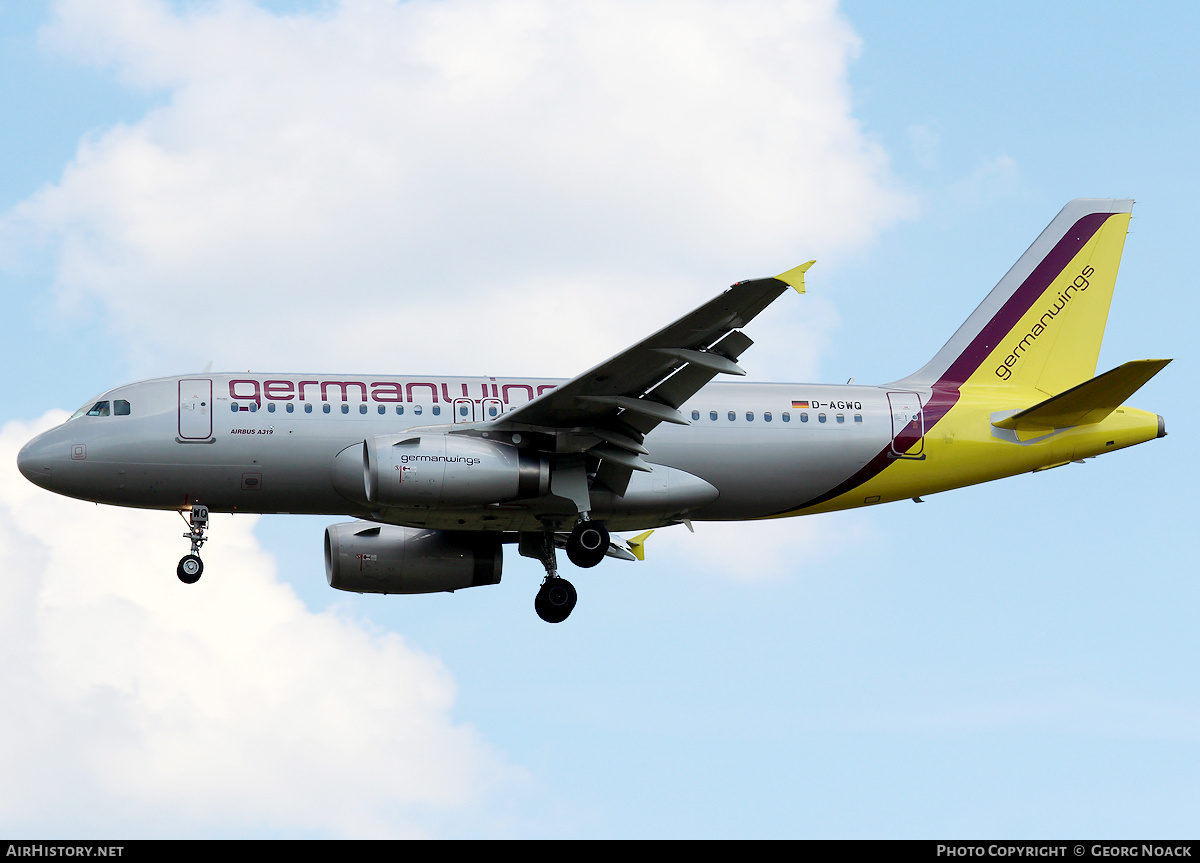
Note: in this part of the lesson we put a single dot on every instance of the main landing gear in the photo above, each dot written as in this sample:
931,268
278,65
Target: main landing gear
191,567
586,547
555,600
557,597
588,543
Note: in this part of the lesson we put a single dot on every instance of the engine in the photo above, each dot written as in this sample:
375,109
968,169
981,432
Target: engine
367,558
438,470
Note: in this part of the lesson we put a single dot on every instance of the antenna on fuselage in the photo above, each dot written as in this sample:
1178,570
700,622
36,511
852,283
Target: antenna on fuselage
207,368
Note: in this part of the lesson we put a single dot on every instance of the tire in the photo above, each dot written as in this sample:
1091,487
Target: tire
587,544
556,600
190,569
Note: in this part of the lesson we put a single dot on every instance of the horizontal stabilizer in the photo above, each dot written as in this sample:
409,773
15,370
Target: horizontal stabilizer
1089,402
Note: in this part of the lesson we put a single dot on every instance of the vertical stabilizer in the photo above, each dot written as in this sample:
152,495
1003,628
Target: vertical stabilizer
1040,328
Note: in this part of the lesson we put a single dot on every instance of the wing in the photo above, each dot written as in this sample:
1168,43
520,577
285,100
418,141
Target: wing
608,410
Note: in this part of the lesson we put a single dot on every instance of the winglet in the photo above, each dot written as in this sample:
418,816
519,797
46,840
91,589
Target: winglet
795,276
637,545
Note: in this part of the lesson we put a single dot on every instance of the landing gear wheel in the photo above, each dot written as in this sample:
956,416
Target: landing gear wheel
190,565
190,569
556,599
587,543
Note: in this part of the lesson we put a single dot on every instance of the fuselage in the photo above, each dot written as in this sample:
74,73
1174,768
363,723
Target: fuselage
268,444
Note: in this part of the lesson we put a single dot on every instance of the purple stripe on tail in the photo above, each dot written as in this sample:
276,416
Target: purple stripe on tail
946,388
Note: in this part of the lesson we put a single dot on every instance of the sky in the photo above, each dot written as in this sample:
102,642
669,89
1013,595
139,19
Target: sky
526,187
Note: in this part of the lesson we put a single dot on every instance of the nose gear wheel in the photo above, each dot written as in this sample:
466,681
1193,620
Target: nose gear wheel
191,567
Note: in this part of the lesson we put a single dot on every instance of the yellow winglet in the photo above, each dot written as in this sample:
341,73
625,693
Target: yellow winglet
795,276
636,545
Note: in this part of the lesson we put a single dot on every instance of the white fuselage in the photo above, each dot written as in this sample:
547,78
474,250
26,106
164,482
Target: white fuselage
267,444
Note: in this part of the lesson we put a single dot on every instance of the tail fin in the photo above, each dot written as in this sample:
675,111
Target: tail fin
1040,328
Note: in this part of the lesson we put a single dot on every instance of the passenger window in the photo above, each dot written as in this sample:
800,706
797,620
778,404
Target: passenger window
492,411
253,407
362,409
841,418
712,415
382,409
821,418
858,418
695,415
345,409
399,409
749,416
290,407
417,410
308,408
325,408
787,417
732,416
233,406
270,407
804,417
462,410
121,408
437,409
767,417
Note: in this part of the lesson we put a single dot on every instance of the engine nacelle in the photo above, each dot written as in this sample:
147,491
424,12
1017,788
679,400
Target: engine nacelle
373,558
433,470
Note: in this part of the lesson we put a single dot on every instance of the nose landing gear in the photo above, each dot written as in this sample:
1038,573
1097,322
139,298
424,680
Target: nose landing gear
191,567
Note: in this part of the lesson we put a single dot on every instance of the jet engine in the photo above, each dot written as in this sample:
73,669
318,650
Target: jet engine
369,558
438,470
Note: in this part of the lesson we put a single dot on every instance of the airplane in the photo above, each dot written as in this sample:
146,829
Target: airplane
441,472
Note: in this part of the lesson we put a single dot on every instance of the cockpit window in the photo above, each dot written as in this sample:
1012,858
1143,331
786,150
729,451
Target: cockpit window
120,408
99,409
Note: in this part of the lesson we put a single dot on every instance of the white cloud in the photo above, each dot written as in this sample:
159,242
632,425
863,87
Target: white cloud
991,180
408,186
761,551
135,704
925,143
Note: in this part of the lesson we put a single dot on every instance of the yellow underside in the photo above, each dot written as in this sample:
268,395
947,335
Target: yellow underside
962,449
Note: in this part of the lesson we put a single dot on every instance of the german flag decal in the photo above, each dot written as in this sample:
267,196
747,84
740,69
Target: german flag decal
796,404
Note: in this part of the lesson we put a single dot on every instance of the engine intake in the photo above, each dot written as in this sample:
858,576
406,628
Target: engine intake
366,558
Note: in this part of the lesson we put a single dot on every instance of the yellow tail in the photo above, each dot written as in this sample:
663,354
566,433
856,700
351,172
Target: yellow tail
1040,328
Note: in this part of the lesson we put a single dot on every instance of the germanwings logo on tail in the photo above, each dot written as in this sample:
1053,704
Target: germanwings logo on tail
1004,371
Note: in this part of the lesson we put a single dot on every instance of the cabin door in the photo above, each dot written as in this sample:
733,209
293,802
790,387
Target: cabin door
908,425
195,409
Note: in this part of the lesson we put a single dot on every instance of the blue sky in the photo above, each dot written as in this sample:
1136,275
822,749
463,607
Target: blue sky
1011,660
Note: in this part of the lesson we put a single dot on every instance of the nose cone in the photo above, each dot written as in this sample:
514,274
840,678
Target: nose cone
34,461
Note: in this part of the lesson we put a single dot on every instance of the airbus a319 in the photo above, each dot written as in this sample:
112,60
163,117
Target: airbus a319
441,473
